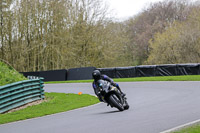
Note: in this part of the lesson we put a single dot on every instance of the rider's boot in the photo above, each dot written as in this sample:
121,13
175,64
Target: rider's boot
123,94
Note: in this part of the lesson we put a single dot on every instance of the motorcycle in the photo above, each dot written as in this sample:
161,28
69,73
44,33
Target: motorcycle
111,95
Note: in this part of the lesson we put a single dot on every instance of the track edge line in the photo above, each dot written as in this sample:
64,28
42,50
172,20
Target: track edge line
181,126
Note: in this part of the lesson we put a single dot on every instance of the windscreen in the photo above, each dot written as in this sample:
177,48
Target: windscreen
103,84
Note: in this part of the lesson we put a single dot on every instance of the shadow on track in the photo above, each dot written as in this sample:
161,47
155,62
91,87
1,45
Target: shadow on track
110,112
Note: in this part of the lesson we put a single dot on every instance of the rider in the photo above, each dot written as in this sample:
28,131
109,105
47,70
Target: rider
97,76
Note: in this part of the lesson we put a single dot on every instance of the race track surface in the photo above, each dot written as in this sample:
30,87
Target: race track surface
154,107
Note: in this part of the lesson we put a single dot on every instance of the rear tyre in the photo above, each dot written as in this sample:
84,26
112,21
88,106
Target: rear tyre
115,101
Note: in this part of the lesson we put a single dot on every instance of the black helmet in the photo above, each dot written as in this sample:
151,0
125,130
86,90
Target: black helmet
96,74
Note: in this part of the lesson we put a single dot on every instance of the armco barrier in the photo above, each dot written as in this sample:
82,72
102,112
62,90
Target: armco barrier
19,93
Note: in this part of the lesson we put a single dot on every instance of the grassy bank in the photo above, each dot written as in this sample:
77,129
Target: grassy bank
9,75
54,103
138,79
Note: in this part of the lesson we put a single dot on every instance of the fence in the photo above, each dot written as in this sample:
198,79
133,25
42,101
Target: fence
119,72
152,70
19,93
63,74
52,75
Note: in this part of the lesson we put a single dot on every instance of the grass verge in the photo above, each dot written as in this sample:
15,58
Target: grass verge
54,103
191,129
137,79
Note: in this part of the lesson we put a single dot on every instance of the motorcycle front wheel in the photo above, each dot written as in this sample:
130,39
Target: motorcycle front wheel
126,106
116,102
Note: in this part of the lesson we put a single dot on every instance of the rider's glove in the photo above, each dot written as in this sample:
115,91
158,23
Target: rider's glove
114,84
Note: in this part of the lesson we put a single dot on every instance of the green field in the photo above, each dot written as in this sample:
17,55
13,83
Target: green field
54,103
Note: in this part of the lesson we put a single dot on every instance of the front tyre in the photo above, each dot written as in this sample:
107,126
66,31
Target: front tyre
115,101
126,106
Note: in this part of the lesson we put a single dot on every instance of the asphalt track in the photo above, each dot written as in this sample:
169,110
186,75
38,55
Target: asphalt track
154,107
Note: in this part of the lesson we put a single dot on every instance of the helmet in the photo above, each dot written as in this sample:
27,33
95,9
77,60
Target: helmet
96,74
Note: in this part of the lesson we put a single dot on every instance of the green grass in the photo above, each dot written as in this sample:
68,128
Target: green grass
137,79
69,81
9,75
162,78
192,129
55,103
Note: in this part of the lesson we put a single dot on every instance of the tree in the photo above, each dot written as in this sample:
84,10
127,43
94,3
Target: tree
178,44
156,18
5,23
52,34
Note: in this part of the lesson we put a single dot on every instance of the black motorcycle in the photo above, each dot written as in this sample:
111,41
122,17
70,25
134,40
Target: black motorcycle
112,96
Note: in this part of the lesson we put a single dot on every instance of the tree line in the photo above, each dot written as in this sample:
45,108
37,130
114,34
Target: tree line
57,34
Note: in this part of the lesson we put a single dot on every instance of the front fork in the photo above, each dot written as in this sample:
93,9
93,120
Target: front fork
113,90
118,94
